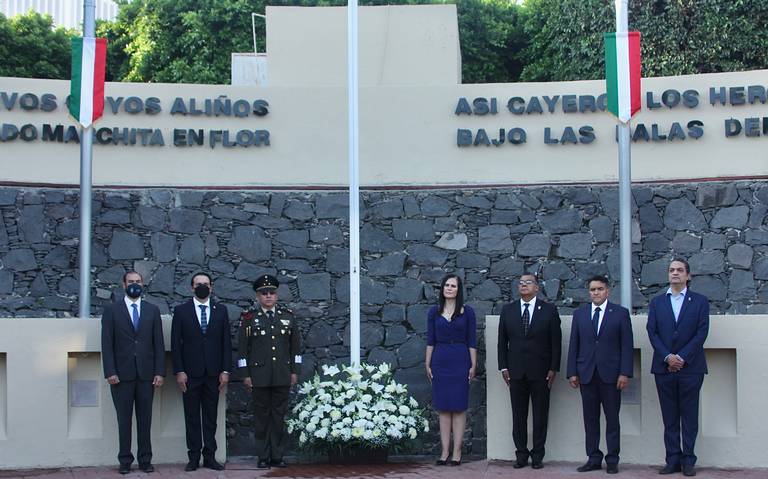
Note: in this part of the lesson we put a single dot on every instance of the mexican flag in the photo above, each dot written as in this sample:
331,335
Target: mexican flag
86,95
622,73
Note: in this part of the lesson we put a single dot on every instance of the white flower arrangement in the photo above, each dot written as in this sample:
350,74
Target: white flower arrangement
356,406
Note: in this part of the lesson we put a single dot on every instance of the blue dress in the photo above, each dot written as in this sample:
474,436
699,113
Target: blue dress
450,358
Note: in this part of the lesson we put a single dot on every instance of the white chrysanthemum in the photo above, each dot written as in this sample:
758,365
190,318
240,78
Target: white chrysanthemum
412,433
366,398
390,388
335,414
357,432
335,433
404,410
302,438
413,402
321,433
325,422
338,400
303,415
311,427
347,421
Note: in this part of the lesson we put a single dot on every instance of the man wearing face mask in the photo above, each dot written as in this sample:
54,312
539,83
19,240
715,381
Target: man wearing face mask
270,361
133,355
202,354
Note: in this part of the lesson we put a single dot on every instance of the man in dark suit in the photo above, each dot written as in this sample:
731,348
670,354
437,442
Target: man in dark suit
529,358
678,324
600,363
270,361
202,358
133,354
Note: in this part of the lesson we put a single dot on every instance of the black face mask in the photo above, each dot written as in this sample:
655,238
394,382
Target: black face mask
133,290
202,291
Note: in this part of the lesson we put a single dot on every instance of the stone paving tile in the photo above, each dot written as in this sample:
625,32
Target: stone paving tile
478,469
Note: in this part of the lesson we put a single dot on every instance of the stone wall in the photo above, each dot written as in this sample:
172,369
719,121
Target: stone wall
409,239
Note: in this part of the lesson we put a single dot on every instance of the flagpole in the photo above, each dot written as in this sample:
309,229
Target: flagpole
354,190
86,160
625,183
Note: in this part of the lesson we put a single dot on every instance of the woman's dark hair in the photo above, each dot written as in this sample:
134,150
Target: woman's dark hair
459,295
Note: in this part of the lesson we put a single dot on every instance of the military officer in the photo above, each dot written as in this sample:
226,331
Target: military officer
270,362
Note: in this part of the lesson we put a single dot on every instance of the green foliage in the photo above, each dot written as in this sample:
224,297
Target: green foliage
678,37
190,41
31,48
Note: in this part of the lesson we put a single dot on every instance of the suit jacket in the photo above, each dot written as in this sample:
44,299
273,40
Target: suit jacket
535,353
684,337
128,353
610,352
195,353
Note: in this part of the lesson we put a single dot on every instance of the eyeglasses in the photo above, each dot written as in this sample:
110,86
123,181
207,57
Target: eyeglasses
526,282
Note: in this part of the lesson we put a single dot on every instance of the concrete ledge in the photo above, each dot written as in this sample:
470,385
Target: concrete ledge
734,419
55,406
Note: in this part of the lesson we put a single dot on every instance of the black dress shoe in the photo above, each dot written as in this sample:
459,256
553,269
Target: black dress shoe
612,469
147,468
277,463
441,462
191,466
670,469
520,464
537,464
689,470
213,464
124,468
590,466
262,464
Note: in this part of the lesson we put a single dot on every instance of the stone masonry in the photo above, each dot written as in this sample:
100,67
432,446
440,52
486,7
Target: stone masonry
409,239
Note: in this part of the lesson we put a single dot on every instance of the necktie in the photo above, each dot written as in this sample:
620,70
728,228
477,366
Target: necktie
596,320
526,319
270,315
135,317
203,318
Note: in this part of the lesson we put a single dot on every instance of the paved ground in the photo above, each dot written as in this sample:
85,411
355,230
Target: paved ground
479,469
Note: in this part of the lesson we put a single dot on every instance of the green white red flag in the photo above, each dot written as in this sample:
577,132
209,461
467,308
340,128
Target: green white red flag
622,73
86,96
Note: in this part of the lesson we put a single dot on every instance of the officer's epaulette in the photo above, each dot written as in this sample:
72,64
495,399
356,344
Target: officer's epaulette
281,308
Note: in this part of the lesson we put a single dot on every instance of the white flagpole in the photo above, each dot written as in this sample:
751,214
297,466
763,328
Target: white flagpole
86,159
625,184
354,189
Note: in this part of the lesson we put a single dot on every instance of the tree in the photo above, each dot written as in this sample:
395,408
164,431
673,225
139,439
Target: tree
190,41
678,37
31,48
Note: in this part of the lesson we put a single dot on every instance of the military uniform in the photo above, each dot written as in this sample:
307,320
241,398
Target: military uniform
269,352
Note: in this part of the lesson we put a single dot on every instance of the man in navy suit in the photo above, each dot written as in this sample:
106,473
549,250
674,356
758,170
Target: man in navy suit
201,347
133,355
529,357
600,363
678,324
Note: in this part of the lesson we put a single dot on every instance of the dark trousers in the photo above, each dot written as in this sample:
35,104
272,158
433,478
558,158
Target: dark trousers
521,392
679,400
126,395
593,395
270,404
201,401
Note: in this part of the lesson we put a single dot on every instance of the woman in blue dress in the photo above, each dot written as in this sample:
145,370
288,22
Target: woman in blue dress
451,361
